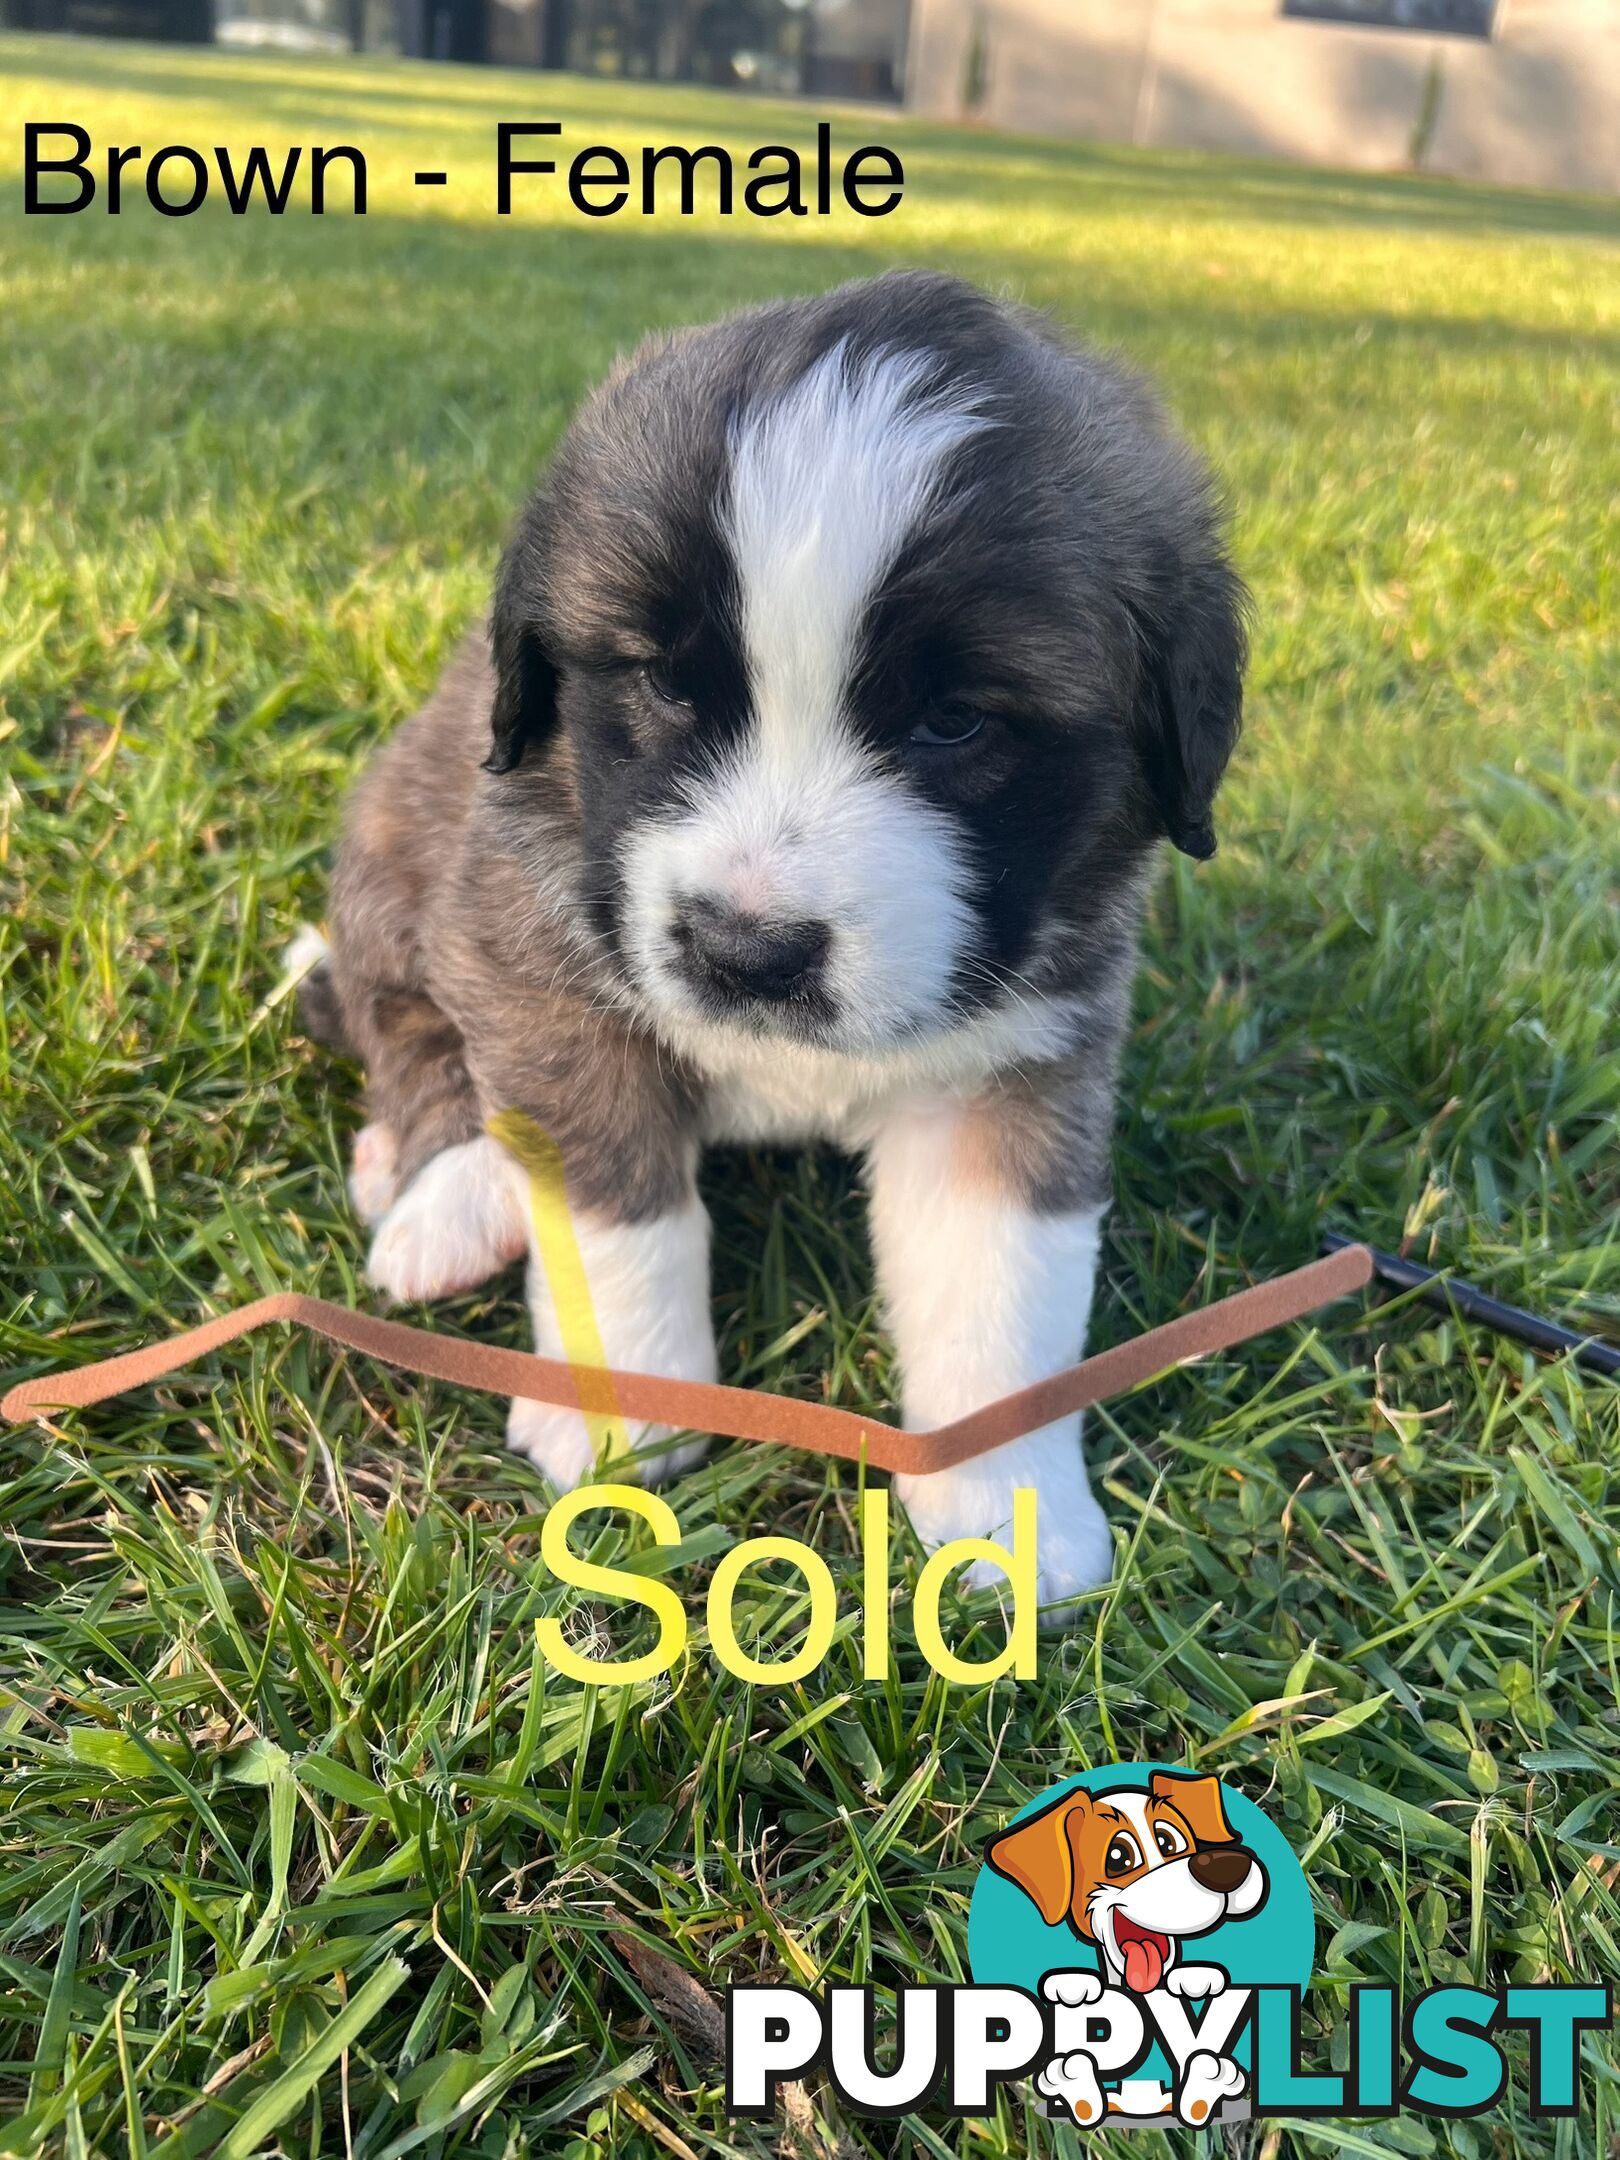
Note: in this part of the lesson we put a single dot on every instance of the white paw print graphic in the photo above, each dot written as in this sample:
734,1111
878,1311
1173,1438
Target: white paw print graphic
1072,2079
1207,2081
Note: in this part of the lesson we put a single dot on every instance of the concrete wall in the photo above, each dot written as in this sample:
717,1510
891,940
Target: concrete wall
1536,105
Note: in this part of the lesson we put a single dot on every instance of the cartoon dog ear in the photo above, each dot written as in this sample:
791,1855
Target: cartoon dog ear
1036,1855
523,714
1192,699
1198,1802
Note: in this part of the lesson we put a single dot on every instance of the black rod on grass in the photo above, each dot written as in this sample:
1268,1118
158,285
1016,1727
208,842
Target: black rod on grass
1450,1292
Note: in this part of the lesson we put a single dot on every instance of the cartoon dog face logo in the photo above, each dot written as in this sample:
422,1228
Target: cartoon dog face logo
1136,1873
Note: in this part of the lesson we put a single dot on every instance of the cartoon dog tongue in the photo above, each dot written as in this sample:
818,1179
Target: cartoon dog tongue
1144,1961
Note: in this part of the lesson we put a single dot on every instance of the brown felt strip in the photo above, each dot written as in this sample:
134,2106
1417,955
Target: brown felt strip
700,1406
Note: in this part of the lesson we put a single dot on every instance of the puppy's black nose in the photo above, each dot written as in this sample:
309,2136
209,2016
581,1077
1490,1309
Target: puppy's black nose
746,956
1221,1868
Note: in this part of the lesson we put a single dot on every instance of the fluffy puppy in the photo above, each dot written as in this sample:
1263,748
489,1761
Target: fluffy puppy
843,675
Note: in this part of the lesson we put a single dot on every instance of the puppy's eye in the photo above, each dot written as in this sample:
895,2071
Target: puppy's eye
1122,1855
1169,1840
660,680
949,726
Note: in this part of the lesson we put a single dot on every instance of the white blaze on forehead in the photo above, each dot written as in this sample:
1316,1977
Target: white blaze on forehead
828,480
1134,1807
796,821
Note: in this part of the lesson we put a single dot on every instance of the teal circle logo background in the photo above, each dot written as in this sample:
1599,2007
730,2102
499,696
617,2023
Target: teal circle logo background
1010,1945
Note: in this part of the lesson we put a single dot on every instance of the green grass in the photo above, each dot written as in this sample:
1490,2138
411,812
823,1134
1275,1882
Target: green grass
300,1848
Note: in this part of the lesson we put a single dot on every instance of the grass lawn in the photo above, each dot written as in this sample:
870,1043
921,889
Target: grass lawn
301,1848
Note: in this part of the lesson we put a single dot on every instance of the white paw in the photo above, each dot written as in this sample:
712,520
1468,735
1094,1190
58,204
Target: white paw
1206,2082
1073,2080
373,1184
459,1221
561,1445
1073,1989
306,950
1073,1545
1194,1982
648,1288
557,1442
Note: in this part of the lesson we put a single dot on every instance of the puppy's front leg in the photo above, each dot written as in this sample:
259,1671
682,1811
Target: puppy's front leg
580,1100
647,1282
988,1289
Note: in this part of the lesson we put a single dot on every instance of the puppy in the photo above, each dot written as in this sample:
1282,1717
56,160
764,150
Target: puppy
842,677
1135,1873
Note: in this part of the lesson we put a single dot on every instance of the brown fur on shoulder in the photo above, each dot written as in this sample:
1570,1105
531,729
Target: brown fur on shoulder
457,977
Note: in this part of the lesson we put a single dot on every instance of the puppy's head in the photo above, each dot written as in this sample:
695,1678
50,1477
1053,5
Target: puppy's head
878,637
1134,1872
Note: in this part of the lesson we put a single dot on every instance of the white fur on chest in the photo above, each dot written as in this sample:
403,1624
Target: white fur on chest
762,1091
790,1101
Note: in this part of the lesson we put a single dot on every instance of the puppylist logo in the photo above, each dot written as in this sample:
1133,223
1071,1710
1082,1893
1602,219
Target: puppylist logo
1140,1940
1145,1906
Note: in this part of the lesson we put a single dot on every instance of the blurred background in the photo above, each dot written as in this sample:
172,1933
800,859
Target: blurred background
1522,92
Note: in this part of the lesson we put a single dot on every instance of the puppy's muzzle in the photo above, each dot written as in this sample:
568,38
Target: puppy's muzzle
742,957
1222,1869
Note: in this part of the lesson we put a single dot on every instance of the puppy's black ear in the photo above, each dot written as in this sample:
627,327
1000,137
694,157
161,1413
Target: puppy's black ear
1193,694
523,715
